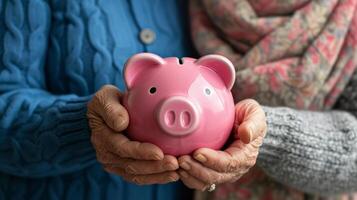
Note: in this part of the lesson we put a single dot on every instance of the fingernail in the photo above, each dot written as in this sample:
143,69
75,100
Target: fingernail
183,174
200,158
185,166
250,132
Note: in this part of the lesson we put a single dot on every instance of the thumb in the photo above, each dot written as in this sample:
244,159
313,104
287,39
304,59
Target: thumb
250,121
106,104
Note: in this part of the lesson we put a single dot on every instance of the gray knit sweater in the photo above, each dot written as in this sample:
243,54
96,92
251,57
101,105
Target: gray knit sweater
315,152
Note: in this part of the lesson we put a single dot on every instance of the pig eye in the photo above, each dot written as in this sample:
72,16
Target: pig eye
152,90
208,91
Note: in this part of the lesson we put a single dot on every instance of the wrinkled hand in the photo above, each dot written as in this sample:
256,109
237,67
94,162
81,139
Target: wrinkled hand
141,163
208,166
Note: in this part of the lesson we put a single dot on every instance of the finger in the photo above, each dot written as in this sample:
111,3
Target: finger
131,166
123,147
161,178
115,170
106,103
136,150
238,157
250,121
141,167
219,161
191,182
202,173
106,157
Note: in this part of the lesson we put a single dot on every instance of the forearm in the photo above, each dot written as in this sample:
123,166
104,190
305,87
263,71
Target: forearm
315,152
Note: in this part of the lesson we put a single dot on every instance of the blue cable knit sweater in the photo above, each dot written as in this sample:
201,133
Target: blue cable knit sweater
54,54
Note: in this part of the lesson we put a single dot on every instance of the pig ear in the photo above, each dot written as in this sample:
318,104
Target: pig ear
137,64
222,66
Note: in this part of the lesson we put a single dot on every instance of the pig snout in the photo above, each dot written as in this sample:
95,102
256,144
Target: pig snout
178,116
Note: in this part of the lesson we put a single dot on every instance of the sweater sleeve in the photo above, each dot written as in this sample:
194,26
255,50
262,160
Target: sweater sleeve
41,134
315,152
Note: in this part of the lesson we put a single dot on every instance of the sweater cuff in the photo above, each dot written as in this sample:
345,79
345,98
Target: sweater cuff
66,146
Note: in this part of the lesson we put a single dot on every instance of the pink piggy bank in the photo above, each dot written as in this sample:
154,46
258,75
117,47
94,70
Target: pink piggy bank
179,105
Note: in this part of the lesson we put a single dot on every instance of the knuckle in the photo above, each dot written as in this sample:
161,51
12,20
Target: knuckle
257,142
249,162
217,165
246,163
232,165
100,98
118,150
136,151
116,116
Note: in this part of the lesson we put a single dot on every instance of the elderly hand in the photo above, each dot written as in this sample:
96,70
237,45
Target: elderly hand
208,166
141,163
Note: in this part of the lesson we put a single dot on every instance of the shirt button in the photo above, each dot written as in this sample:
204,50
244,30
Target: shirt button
147,36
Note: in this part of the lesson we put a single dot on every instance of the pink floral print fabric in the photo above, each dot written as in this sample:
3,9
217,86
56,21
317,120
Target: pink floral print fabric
297,53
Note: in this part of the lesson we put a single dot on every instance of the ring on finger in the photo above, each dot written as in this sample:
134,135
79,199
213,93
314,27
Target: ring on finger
211,188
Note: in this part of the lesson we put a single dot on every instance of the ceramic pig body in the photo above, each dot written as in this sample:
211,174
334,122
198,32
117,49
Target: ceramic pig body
179,107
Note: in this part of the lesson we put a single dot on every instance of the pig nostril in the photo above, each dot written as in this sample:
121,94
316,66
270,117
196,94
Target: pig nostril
185,119
170,118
